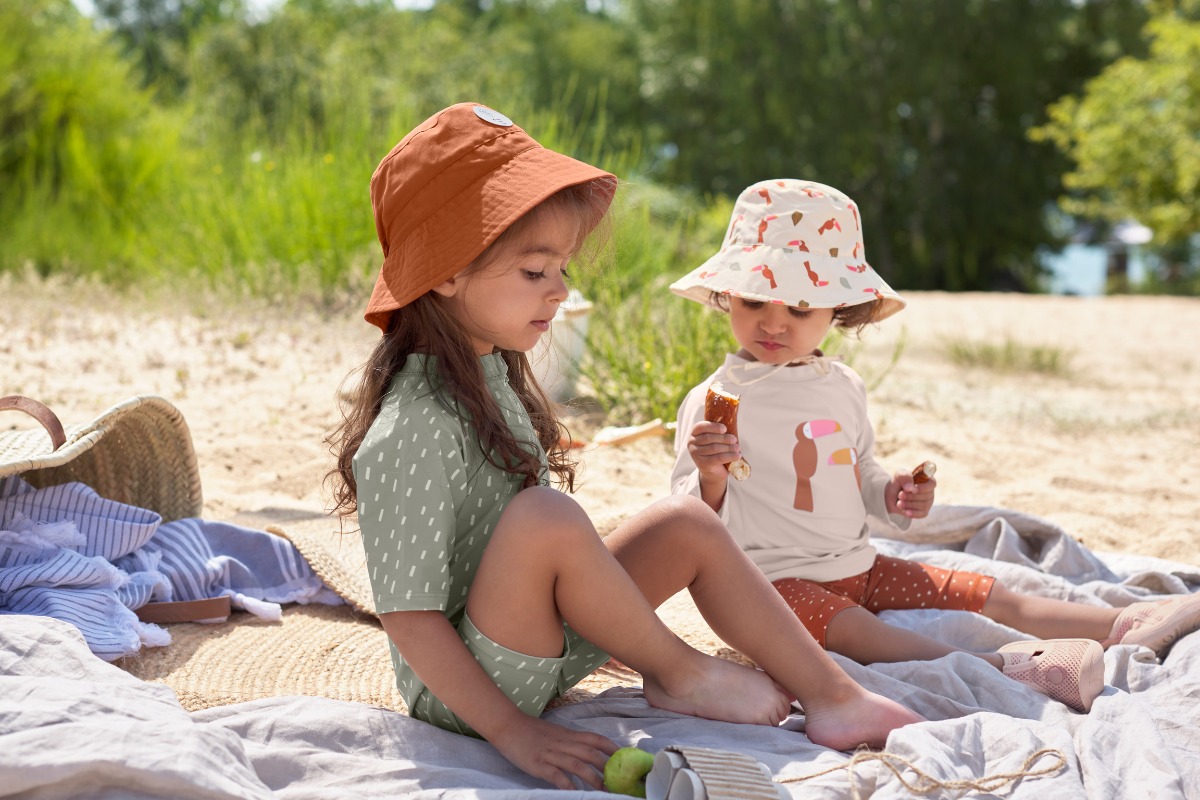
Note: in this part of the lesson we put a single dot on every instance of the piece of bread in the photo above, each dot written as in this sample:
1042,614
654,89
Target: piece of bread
721,406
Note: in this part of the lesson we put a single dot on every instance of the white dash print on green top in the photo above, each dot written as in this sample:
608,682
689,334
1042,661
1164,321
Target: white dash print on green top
441,482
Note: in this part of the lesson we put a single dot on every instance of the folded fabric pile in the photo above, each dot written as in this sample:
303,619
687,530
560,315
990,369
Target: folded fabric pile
68,553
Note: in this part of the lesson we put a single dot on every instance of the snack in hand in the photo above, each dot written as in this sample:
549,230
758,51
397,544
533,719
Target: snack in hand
924,472
721,406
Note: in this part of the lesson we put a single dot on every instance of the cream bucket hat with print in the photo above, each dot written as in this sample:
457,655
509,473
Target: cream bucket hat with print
796,243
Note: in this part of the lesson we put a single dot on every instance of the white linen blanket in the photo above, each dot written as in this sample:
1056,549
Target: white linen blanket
72,726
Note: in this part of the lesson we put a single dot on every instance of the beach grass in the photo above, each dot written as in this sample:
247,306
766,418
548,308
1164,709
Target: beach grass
1009,355
851,349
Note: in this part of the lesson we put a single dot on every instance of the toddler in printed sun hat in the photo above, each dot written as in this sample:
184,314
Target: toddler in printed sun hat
791,264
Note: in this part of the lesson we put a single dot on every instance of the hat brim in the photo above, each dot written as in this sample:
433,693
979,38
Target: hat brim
733,272
457,233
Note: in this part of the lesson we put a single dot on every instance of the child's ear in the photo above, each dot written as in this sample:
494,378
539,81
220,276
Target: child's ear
448,288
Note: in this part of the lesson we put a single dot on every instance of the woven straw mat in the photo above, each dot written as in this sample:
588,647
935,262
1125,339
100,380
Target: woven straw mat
339,652
137,452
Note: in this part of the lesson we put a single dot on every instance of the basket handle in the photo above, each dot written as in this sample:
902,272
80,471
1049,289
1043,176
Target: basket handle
41,413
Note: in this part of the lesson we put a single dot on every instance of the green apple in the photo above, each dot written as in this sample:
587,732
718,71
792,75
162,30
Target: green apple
626,770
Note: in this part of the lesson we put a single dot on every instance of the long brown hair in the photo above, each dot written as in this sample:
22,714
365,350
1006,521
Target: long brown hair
426,326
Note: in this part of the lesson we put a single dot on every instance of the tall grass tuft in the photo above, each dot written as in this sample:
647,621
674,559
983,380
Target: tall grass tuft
850,348
646,347
1010,356
646,352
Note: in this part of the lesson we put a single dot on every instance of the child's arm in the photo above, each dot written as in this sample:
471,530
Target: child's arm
435,652
711,450
702,449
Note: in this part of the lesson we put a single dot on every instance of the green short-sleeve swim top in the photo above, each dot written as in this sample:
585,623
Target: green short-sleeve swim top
428,500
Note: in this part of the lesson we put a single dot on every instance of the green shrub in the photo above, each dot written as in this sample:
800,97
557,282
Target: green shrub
81,146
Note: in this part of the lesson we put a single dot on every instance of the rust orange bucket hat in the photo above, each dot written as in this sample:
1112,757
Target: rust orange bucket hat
449,188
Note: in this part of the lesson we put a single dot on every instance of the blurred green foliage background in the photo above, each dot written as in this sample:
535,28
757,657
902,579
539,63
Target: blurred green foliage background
168,137
164,141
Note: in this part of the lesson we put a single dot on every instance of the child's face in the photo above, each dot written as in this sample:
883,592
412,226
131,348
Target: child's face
776,334
511,302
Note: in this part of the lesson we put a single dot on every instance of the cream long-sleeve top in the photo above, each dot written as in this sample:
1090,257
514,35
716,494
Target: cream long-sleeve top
804,431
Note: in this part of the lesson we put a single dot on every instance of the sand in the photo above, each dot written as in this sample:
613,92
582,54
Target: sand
1110,448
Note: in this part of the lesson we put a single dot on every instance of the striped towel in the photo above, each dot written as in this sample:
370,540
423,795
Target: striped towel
67,553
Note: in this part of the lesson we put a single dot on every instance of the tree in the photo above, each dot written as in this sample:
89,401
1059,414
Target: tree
1133,134
918,111
81,145
158,34
521,55
72,120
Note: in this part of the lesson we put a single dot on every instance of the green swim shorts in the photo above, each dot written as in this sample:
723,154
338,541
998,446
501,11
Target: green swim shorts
529,681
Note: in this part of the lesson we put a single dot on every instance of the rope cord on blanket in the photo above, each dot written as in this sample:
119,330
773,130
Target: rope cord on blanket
927,783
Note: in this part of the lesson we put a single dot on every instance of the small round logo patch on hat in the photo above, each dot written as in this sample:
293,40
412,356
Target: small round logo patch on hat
494,117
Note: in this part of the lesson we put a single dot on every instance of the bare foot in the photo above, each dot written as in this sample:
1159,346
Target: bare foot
714,688
864,718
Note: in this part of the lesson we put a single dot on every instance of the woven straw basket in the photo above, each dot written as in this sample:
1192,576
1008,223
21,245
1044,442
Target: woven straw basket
137,452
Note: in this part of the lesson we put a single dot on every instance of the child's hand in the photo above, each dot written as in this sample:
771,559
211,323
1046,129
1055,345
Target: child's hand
711,449
906,497
554,753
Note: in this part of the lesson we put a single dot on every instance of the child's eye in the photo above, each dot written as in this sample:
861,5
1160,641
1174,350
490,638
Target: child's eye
753,305
802,313
533,276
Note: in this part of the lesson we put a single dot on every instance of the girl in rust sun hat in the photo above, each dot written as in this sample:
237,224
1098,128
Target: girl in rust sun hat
451,187
494,589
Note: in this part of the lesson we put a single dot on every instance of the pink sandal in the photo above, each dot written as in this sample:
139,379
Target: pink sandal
1157,624
1070,671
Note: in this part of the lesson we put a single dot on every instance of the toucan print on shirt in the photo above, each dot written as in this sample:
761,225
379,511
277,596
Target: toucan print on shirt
802,513
807,457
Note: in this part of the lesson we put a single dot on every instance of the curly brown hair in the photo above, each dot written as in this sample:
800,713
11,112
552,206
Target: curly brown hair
426,326
849,318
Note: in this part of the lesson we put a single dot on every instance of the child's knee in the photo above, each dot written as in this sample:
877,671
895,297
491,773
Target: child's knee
546,516
692,520
686,507
845,628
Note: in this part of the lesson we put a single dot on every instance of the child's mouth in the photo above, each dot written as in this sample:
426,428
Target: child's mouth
770,346
541,324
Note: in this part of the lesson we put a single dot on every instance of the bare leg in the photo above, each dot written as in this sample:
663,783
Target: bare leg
858,634
1049,619
680,542
545,563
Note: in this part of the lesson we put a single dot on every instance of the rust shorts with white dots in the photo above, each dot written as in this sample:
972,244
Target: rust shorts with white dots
890,584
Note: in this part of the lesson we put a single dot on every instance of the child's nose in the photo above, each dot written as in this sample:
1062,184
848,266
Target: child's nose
774,323
558,288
